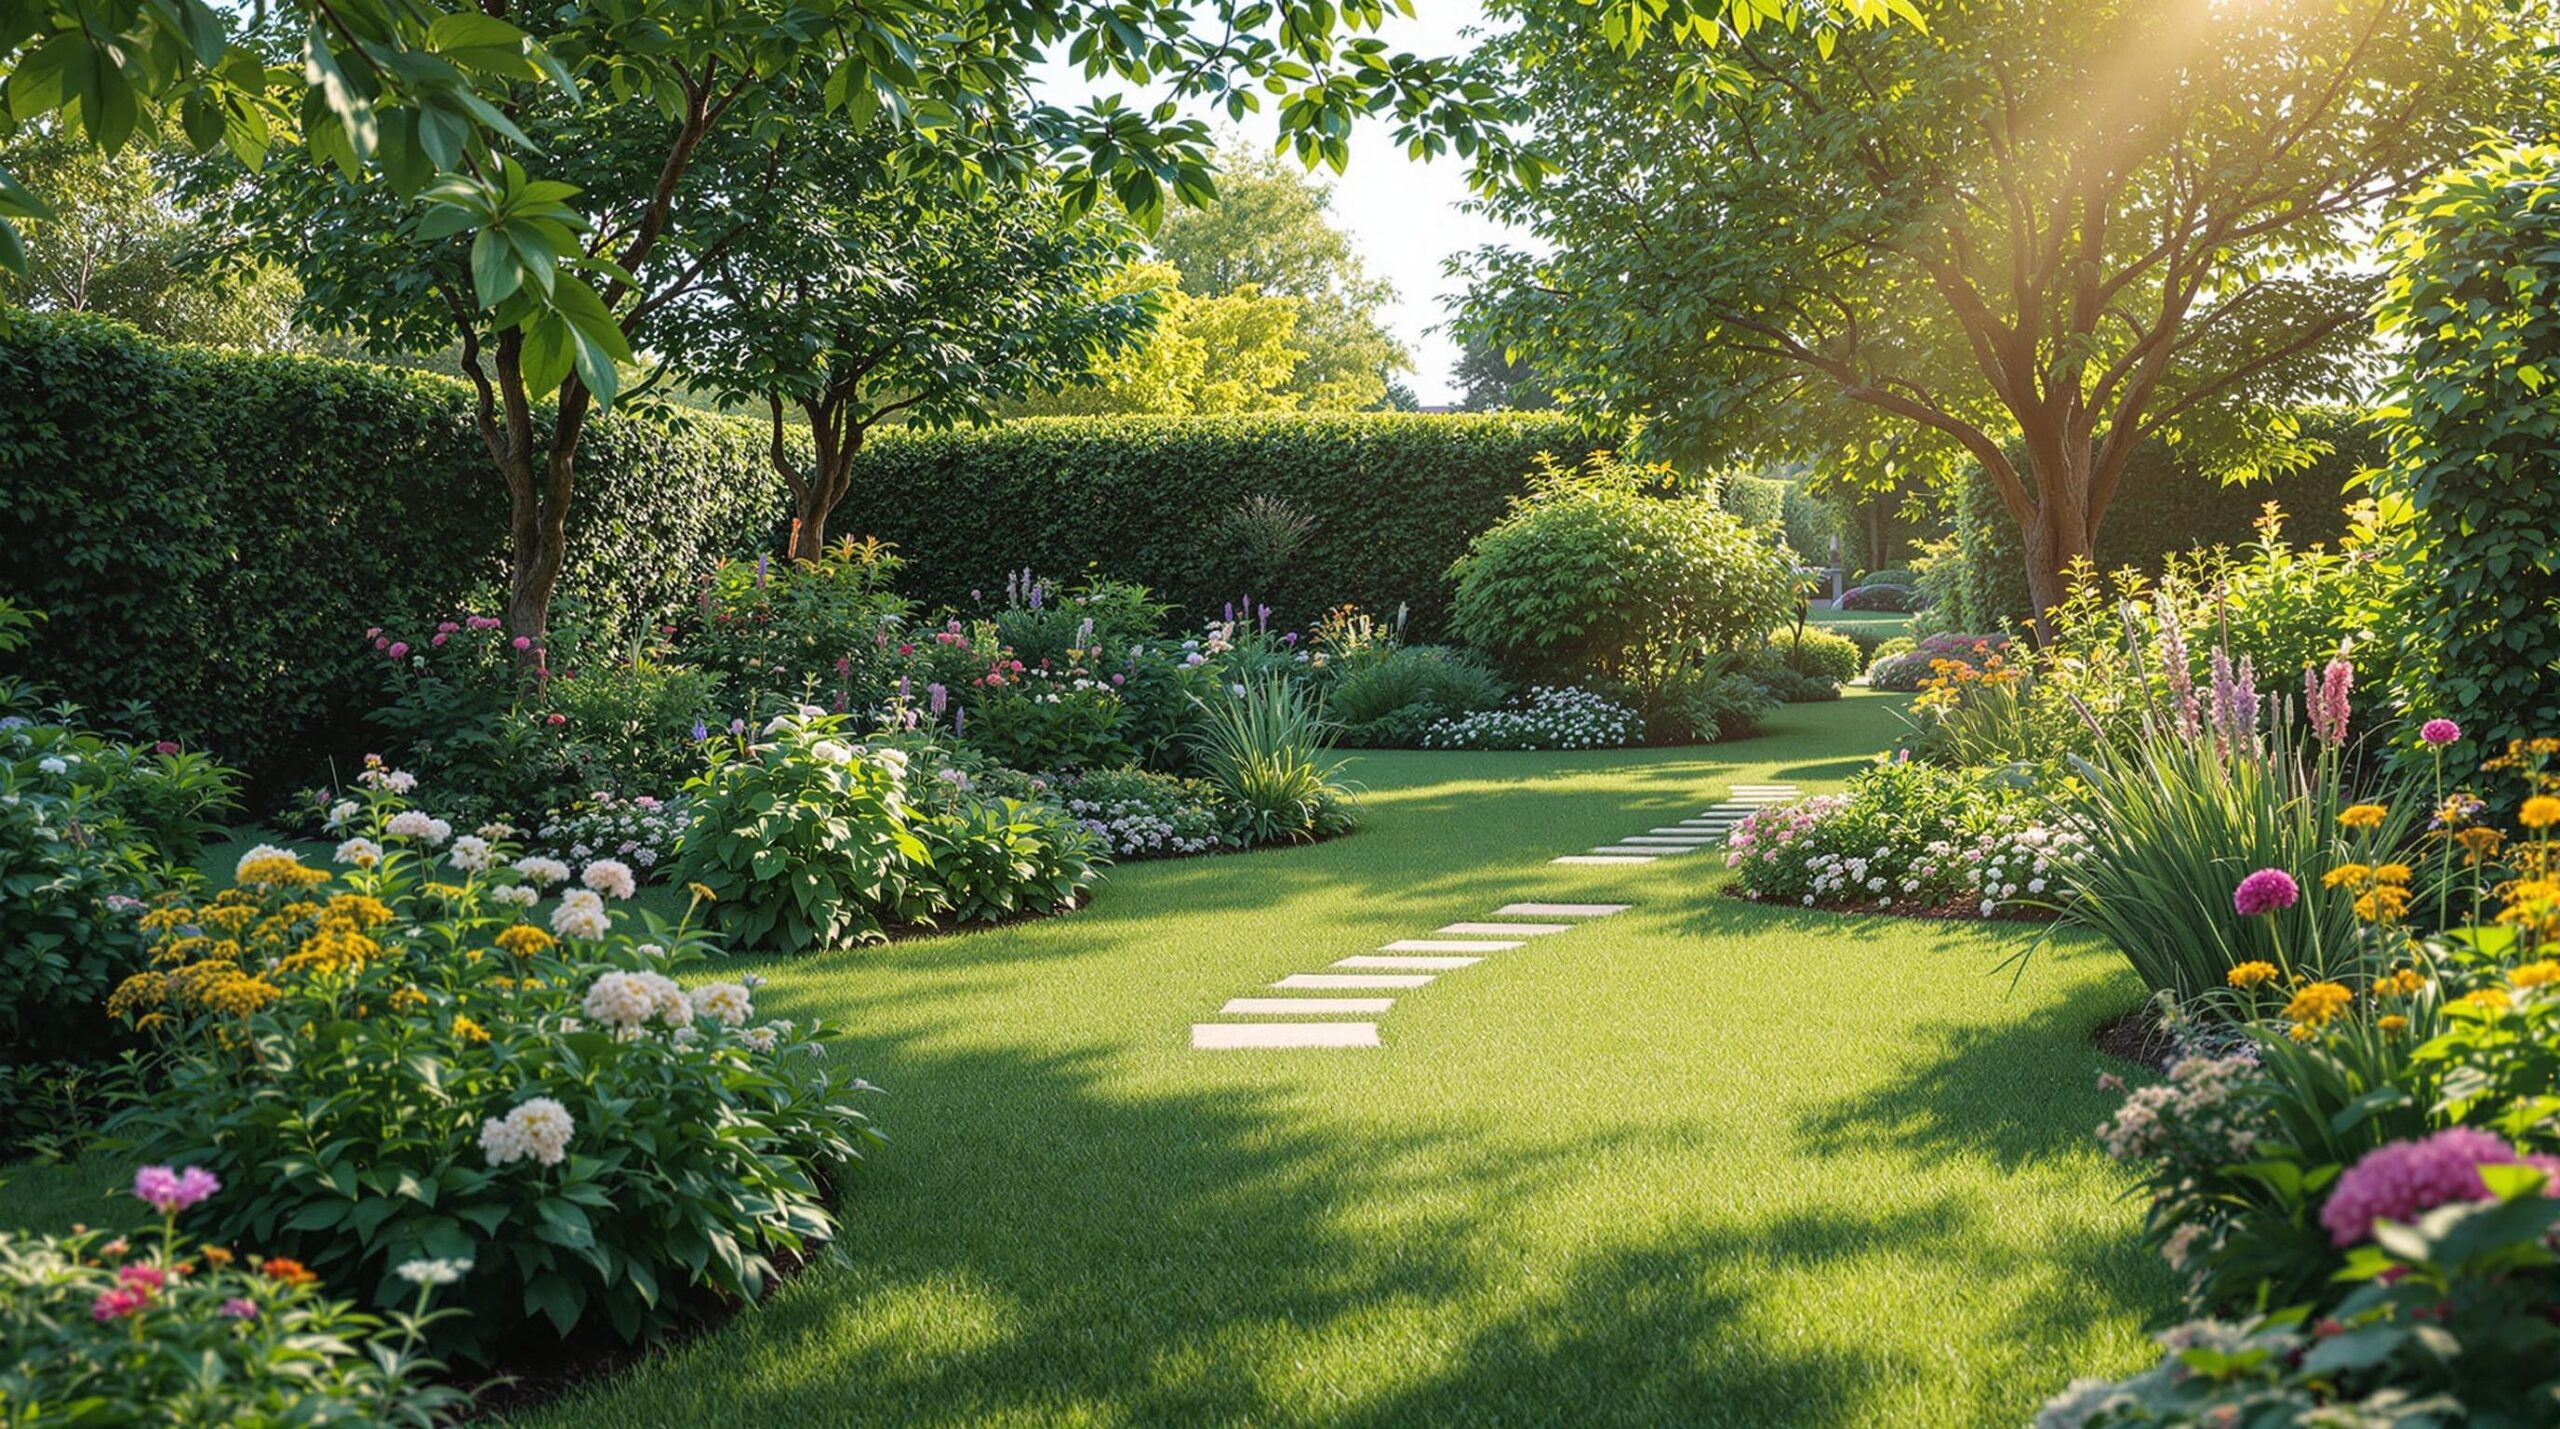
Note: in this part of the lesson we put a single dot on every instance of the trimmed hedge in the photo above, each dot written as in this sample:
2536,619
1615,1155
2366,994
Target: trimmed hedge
1808,521
1393,498
2162,506
211,532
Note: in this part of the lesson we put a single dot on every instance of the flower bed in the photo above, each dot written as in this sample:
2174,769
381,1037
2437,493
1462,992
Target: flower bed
1907,838
1554,717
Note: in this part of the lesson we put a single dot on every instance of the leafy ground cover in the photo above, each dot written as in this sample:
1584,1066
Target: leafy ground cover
1704,1162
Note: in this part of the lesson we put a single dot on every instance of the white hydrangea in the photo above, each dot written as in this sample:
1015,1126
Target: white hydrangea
610,877
893,760
418,824
627,1000
581,915
522,895
538,1128
726,1003
363,853
471,854
542,872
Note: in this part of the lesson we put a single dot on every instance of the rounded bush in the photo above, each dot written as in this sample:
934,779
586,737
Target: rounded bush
1896,599
1822,654
1903,672
1590,576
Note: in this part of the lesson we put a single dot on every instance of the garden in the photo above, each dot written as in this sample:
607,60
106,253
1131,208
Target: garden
685,733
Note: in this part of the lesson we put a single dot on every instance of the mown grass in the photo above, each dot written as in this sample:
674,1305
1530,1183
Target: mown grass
1700,1163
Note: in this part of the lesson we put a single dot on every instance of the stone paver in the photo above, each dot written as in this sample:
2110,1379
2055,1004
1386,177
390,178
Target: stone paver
1560,910
1597,858
1355,980
1648,850
1695,831
1506,930
1408,964
1306,1006
1681,837
1447,945
1231,1036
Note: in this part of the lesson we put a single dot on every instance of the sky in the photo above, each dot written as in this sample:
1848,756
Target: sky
1404,215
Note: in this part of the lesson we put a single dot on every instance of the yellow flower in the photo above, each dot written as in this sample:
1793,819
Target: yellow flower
2355,873
524,940
2316,1003
2253,974
2480,842
468,1030
280,870
407,999
2403,983
702,892
139,990
2539,812
2539,973
2393,1025
2395,873
2364,816
2493,999
360,910
2383,903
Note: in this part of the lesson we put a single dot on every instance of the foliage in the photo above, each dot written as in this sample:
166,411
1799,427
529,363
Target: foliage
641,830
1548,717
1387,699
158,500
1895,599
395,1064
1589,575
1394,498
1903,671
802,837
989,859
2475,299
1822,654
103,1333
1492,380
1270,229
119,245
1722,697
1906,834
1261,535
1227,354
774,626
1267,749
1804,294
1135,813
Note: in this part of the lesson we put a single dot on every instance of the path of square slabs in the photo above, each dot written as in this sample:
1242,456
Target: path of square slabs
1410,963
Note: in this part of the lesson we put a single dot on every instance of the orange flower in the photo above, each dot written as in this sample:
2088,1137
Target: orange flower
285,1270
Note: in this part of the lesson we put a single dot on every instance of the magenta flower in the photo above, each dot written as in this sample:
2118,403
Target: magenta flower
2269,890
523,642
169,1191
142,1277
2325,696
2405,1179
2439,732
399,648
237,1308
116,1304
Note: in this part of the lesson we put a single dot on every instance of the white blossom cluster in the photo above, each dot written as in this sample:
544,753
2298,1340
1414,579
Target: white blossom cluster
2026,861
1556,717
1139,828
641,831
539,1128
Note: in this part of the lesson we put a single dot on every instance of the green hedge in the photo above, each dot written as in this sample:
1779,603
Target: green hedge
211,532
1807,519
2163,505
1393,498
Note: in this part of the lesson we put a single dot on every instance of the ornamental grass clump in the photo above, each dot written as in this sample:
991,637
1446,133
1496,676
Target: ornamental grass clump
1267,749
443,1052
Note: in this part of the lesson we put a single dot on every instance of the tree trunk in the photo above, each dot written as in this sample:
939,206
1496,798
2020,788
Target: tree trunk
814,495
2061,532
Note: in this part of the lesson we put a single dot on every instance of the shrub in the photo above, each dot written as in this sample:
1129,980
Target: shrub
642,831
1387,698
802,836
167,502
1889,647
1891,575
1138,814
2475,296
1895,599
1905,834
1551,717
1266,750
1590,576
780,627
1392,497
100,1333
1904,671
989,859
1822,654
1723,698
1793,687
400,1063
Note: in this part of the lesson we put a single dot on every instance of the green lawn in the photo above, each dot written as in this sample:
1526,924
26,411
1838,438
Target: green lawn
1700,1163
1873,624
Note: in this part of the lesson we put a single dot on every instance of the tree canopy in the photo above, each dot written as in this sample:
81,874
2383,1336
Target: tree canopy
2029,234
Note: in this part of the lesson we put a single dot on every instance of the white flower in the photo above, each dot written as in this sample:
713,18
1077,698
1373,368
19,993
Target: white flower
580,915
262,851
539,1127
626,1000
542,872
363,853
433,1272
51,765
610,877
762,1039
522,895
342,811
723,1002
828,751
470,854
417,824
893,760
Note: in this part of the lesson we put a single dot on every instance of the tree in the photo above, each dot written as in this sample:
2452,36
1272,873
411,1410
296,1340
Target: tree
1496,381
855,296
653,150
1270,229
120,245
2063,224
1215,356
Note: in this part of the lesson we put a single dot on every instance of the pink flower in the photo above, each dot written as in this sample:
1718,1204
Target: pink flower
2404,1179
170,1192
2269,890
399,648
522,642
557,720
379,643
447,628
166,746
142,1277
441,637
2439,732
236,1308
373,633
116,1304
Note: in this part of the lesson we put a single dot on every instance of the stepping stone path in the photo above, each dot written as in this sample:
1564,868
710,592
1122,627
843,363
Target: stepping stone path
1410,963
1706,830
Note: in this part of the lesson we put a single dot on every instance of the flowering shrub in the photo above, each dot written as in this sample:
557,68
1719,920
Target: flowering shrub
1137,814
414,1060
642,831
774,626
1904,671
1553,717
101,1331
1906,834
1880,596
